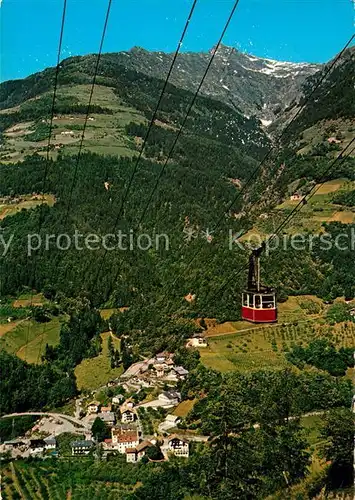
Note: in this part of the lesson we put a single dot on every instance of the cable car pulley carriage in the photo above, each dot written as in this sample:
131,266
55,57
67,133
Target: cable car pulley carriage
258,301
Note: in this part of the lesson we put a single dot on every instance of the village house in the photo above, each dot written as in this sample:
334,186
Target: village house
165,357
36,446
124,438
179,446
116,400
197,341
93,407
14,444
108,445
81,447
50,443
142,448
172,419
108,417
333,140
135,454
170,422
128,414
131,455
159,370
106,409
180,372
170,397
295,197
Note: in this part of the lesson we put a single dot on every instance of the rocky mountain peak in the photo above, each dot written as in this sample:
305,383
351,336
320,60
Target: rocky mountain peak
257,86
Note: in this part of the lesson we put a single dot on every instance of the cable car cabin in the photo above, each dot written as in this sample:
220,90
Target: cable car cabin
258,301
259,306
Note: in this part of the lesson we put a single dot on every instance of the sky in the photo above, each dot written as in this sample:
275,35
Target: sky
289,30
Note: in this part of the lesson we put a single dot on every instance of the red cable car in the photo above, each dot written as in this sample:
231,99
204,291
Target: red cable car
258,301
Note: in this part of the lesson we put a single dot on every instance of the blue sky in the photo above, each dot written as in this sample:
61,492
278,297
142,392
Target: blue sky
292,30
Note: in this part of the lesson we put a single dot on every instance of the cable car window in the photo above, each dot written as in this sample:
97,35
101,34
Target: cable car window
257,301
268,301
251,299
245,299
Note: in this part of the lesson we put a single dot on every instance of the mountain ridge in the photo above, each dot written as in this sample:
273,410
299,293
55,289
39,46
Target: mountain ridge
229,79
253,85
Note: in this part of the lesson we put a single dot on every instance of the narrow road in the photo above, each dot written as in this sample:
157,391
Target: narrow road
59,416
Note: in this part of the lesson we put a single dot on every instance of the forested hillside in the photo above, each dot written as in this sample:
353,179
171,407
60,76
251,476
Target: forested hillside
333,99
162,247
213,160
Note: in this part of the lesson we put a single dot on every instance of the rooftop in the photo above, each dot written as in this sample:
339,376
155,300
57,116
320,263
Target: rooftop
143,445
172,394
181,370
107,416
82,444
175,436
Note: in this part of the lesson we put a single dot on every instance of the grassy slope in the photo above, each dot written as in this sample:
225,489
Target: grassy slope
96,372
184,407
28,338
318,210
104,134
315,135
26,203
257,347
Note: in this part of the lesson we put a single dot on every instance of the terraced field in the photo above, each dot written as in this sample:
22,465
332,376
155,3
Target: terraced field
258,347
63,479
319,209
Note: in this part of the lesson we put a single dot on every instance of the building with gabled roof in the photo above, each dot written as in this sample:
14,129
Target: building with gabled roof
128,413
178,445
124,438
137,453
180,371
164,357
50,443
170,397
108,417
93,407
81,447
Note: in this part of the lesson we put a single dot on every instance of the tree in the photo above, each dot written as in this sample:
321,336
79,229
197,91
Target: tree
154,453
285,459
99,429
40,314
110,346
203,324
338,430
